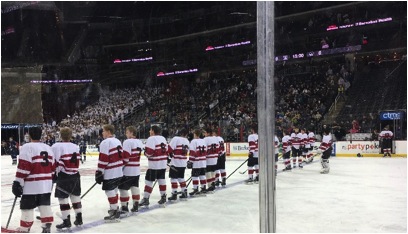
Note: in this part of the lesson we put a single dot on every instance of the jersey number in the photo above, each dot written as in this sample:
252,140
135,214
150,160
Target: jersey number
44,154
119,148
74,158
163,147
184,150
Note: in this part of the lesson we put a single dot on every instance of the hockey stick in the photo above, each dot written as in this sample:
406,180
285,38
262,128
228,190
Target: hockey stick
12,209
172,168
237,168
88,190
243,172
189,181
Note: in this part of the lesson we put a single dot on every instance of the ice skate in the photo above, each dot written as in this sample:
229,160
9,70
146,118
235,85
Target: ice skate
224,182
113,216
135,207
325,166
47,228
65,225
256,180
211,188
183,196
203,191
162,201
173,197
287,168
124,211
217,183
78,219
249,181
144,203
195,192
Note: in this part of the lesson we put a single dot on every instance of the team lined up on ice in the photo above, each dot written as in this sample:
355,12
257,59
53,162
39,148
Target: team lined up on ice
118,169
297,146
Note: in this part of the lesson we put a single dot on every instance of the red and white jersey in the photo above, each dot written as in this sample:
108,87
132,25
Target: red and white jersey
276,145
36,165
111,158
132,149
67,157
213,148
312,139
305,140
253,144
198,153
386,134
296,140
286,143
326,142
179,146
221,143
156,151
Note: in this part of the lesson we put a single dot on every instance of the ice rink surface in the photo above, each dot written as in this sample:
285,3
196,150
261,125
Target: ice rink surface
364,195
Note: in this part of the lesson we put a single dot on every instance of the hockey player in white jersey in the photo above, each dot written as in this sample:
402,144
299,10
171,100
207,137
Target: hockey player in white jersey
386,137
212,157
311,143
67,157
276,152
286,150
220,163
296,147
109,172
326,149
304,146
178,151
132,149
156,151
253,166
33,183
197,162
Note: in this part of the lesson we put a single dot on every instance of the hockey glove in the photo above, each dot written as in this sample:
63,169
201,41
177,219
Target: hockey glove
17,189
250,155
189,164
98,177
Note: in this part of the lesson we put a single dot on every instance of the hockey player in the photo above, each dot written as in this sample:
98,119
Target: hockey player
212,156
220,163
68,178
311,143
109,171
197,161
13,149
296,150
156,151
286,150
178,150
132,149
35,170
304,145
253,166
386,137
276,154
326,149
82,150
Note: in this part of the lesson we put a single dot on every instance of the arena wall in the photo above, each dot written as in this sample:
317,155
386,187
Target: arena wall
340,149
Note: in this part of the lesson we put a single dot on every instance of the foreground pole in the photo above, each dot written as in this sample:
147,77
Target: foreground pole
266,115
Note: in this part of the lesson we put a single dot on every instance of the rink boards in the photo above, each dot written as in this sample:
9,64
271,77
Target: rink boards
340,149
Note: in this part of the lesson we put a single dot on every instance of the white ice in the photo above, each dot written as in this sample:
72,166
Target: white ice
364,195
